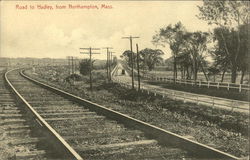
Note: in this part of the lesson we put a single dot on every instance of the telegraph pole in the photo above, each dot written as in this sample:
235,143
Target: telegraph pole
111,61
132,57
108,62
68,58
76,62
112,57
138,68
90,59
72,64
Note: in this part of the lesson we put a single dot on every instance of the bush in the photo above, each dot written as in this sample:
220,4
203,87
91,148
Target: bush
75,77
85,66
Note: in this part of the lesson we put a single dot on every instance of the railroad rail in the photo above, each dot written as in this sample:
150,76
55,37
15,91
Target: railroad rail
57,143
96,132
20,131
229,104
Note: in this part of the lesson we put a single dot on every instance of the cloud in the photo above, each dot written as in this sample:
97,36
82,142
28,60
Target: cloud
55,36
60,33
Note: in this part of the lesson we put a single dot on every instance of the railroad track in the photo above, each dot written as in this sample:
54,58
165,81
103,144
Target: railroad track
18,130
92,131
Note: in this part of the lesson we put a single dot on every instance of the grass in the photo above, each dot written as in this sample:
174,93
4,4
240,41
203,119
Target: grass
225,130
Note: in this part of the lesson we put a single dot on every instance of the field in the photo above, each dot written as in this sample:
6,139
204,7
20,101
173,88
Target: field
224,130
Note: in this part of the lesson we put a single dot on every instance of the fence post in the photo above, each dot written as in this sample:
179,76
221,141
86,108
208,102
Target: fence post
208,84
228,86
240,88
218,85
197,100
200,83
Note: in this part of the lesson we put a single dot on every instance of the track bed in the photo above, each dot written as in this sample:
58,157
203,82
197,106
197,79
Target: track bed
19,137
92,136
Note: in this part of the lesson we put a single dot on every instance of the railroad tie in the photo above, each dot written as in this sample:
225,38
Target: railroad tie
13,121
6,116
73,118
24,141
30,154
115,145
71,114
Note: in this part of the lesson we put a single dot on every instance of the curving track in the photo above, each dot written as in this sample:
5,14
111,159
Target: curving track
96,132
18,131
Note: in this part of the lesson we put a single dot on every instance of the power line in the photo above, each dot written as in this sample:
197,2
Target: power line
132,56
90,59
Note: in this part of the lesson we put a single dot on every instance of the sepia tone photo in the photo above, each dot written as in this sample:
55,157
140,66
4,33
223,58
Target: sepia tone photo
124,80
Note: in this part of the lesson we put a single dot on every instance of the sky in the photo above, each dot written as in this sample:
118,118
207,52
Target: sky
58,33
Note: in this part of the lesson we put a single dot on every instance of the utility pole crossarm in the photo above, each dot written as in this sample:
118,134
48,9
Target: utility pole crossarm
107,47
90,48
84,52
129,37
88,53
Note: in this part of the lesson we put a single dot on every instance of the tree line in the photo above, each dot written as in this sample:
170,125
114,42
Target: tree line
229,40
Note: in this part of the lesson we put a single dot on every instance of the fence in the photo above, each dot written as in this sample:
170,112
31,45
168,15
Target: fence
235,105
199,83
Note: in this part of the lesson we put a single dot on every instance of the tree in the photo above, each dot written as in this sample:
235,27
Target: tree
84,66
220,55
196,44
225,57
227,15
221,62
147,59
173,36
115,60
150,57
184,60
127,56
243,58
213,71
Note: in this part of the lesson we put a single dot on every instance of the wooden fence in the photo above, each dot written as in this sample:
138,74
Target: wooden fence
200,83
234,105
